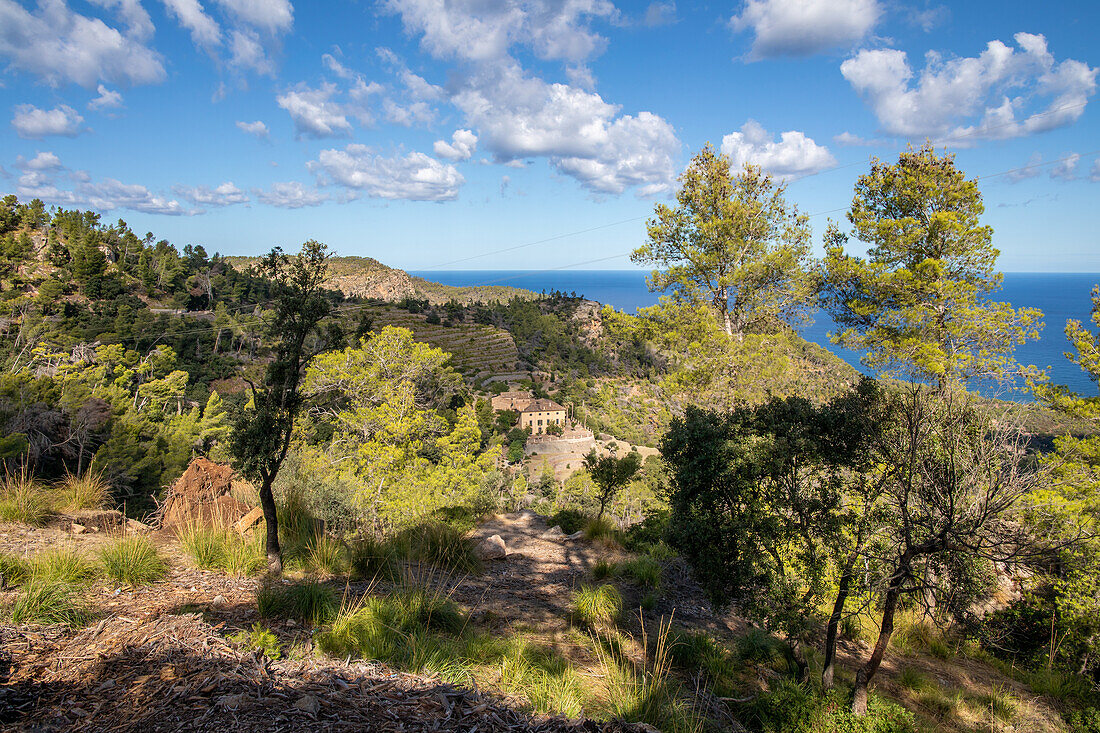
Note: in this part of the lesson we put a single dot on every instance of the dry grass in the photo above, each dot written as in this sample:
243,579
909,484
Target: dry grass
74,493
22,499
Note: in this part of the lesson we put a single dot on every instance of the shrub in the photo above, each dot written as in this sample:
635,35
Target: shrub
647,533
90,491
48,602
1086,720
14,568
63,565
370,558
259,637
692,651
133,560
595,606
570,520
760,647
311,602
22,499
440,545
788,706
642,570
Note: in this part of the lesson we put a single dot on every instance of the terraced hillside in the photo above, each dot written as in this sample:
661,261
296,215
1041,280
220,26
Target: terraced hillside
482,353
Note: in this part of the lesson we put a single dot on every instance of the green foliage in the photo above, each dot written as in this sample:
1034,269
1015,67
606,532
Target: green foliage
326,555
596,605
610,474
221,548
370,558
133,560
383,627
308,601
89,491
601,529
602,570
22,499
732,244
788,706
1086,720
644,571
570,520
48,602
63,565
259,637
918,303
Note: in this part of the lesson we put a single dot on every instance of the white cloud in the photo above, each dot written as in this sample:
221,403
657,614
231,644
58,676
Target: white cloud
314,113
61,46
793,155
256,129
203,196
246,52
848,139
659,13
415,176
130,12
408,115
42,178
273,16
336,67
1066,169
205,32
107,99
462,146
290,195
41,162
992,89
1094,172
805,27
474,30
519,116
1032,169
31,122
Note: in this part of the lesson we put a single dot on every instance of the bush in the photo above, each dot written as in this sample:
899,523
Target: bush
22,499
602,569
48,602
63,565
90,491
647,533
788,706
310,602
570,520
1086,720
14,568
595,606
440,545
133,560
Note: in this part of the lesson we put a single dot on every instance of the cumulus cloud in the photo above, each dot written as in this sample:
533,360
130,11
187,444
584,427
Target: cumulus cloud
137,20
256,129
1066,169
476,31
414,177
205,31
462,146
519,116
62,46
336,67
793,155
205,197
45,177
247,52
805,27
408,115
314,112
290,195
41,162
997,91
273,16
107,99
32,122
658,14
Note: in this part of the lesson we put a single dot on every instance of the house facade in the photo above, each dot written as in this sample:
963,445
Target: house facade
538,415
511,401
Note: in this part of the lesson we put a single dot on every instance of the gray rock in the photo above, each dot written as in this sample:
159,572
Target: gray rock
308,703
77,528
219,602
492,548
554,533
575,536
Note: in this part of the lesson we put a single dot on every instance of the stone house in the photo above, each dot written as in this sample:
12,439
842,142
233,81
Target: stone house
541,414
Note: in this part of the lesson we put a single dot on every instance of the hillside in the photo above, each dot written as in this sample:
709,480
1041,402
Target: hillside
365,277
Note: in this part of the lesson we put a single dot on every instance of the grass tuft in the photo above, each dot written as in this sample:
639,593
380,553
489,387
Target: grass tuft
602,570
22,499
90,491
220,548
48,602
593,606
642,570
133,560
325,555
601,529
440,545
311,602
371,558
391,628
63,565
14,568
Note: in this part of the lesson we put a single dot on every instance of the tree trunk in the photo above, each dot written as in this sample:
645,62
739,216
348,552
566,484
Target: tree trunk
271,522
829,665
867,671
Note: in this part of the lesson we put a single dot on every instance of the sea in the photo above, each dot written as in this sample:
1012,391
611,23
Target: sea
1059,295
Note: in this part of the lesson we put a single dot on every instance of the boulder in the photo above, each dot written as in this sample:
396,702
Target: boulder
492,548
554,533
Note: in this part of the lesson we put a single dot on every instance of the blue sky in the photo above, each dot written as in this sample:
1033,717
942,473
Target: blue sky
433,133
